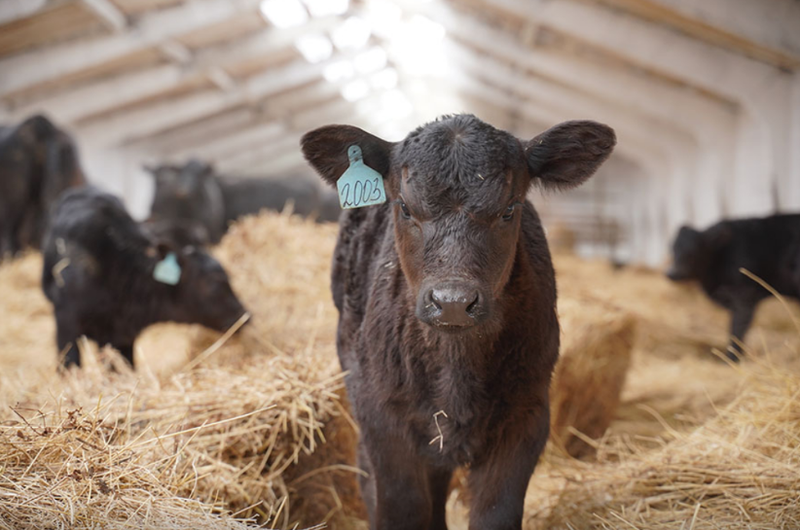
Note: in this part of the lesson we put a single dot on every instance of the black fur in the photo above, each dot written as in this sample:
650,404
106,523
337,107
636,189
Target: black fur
195,193
98,273
768,247
457,221
37,162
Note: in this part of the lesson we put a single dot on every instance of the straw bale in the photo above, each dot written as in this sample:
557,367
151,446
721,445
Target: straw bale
280,266
740,470
590,373
258,424
75,470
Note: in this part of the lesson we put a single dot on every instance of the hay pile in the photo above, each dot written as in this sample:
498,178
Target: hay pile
590,374
255,428
740,470
205,435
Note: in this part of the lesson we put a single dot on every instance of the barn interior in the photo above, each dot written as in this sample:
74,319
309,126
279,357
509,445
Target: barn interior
652,427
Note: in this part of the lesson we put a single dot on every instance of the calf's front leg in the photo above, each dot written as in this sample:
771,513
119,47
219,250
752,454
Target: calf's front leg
499,482
741,318
399,483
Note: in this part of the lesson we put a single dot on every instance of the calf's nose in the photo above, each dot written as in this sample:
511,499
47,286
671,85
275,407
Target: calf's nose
452,304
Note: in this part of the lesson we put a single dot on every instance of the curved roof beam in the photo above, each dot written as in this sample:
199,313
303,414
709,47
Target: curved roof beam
763,154
40,66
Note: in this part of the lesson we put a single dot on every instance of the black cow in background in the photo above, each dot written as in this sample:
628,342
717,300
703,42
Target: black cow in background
37,162
188,194
108,280
768,247
193,192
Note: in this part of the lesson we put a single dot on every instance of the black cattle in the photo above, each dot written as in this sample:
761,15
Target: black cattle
189,194
108,280
447,311
768,247
177,232
37,162
194,192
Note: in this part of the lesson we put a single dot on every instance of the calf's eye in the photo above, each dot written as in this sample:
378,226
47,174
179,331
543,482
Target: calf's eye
404,209
509,213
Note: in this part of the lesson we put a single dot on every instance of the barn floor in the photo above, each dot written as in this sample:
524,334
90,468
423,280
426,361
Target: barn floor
279,265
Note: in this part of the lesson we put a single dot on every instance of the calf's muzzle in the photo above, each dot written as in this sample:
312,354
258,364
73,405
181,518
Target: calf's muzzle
450,304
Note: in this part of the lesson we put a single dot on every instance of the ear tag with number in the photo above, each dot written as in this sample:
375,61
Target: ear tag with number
167,270
360,185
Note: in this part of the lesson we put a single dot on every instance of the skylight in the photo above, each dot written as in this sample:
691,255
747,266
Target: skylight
352,34
314,47
284,13
322,8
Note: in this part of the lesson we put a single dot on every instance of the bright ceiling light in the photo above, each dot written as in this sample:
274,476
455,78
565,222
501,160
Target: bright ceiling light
427,29
355,90
352,34
322,8
283,13
418,47
338,71
394,105
370,60
314,47
386,79
384,16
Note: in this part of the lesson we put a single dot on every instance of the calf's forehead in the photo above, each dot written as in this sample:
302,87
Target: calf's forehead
459,160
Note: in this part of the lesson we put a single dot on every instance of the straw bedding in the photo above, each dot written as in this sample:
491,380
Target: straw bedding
590,373
208,434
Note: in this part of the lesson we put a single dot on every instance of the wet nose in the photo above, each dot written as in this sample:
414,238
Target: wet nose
452,304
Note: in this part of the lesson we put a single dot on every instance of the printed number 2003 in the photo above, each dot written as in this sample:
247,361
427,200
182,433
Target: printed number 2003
361,193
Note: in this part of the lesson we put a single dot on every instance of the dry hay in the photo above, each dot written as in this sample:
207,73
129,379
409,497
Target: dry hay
215,440
190,425
236,430
740,470
591,371
75,471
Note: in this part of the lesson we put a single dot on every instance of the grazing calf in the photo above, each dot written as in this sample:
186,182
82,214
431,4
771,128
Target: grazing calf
194,192
768,247
37,162
177,232
108,280
189,194
447,310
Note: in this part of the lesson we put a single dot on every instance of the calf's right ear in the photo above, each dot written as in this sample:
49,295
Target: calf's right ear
326,150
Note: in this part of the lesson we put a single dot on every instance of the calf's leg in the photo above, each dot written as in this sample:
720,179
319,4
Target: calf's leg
402,497
126,350
499,482
741,318
67,334
366,482
439,482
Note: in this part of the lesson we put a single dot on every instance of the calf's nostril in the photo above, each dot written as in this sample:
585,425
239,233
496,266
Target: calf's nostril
434,300
473,305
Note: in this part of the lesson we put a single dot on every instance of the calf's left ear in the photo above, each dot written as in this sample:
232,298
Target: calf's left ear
326,150
567,154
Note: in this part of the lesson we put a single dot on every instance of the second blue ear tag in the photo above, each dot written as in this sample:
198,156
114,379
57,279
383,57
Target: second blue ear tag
360,185
167,270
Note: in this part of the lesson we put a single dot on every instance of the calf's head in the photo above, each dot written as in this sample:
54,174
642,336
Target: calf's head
203,294
692,251
181,190
457,188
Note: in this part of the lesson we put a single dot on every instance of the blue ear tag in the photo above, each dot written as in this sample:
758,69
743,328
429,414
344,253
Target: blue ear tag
360,185
167,270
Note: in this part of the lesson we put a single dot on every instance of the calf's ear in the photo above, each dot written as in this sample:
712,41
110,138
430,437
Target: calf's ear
326,150
567,154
